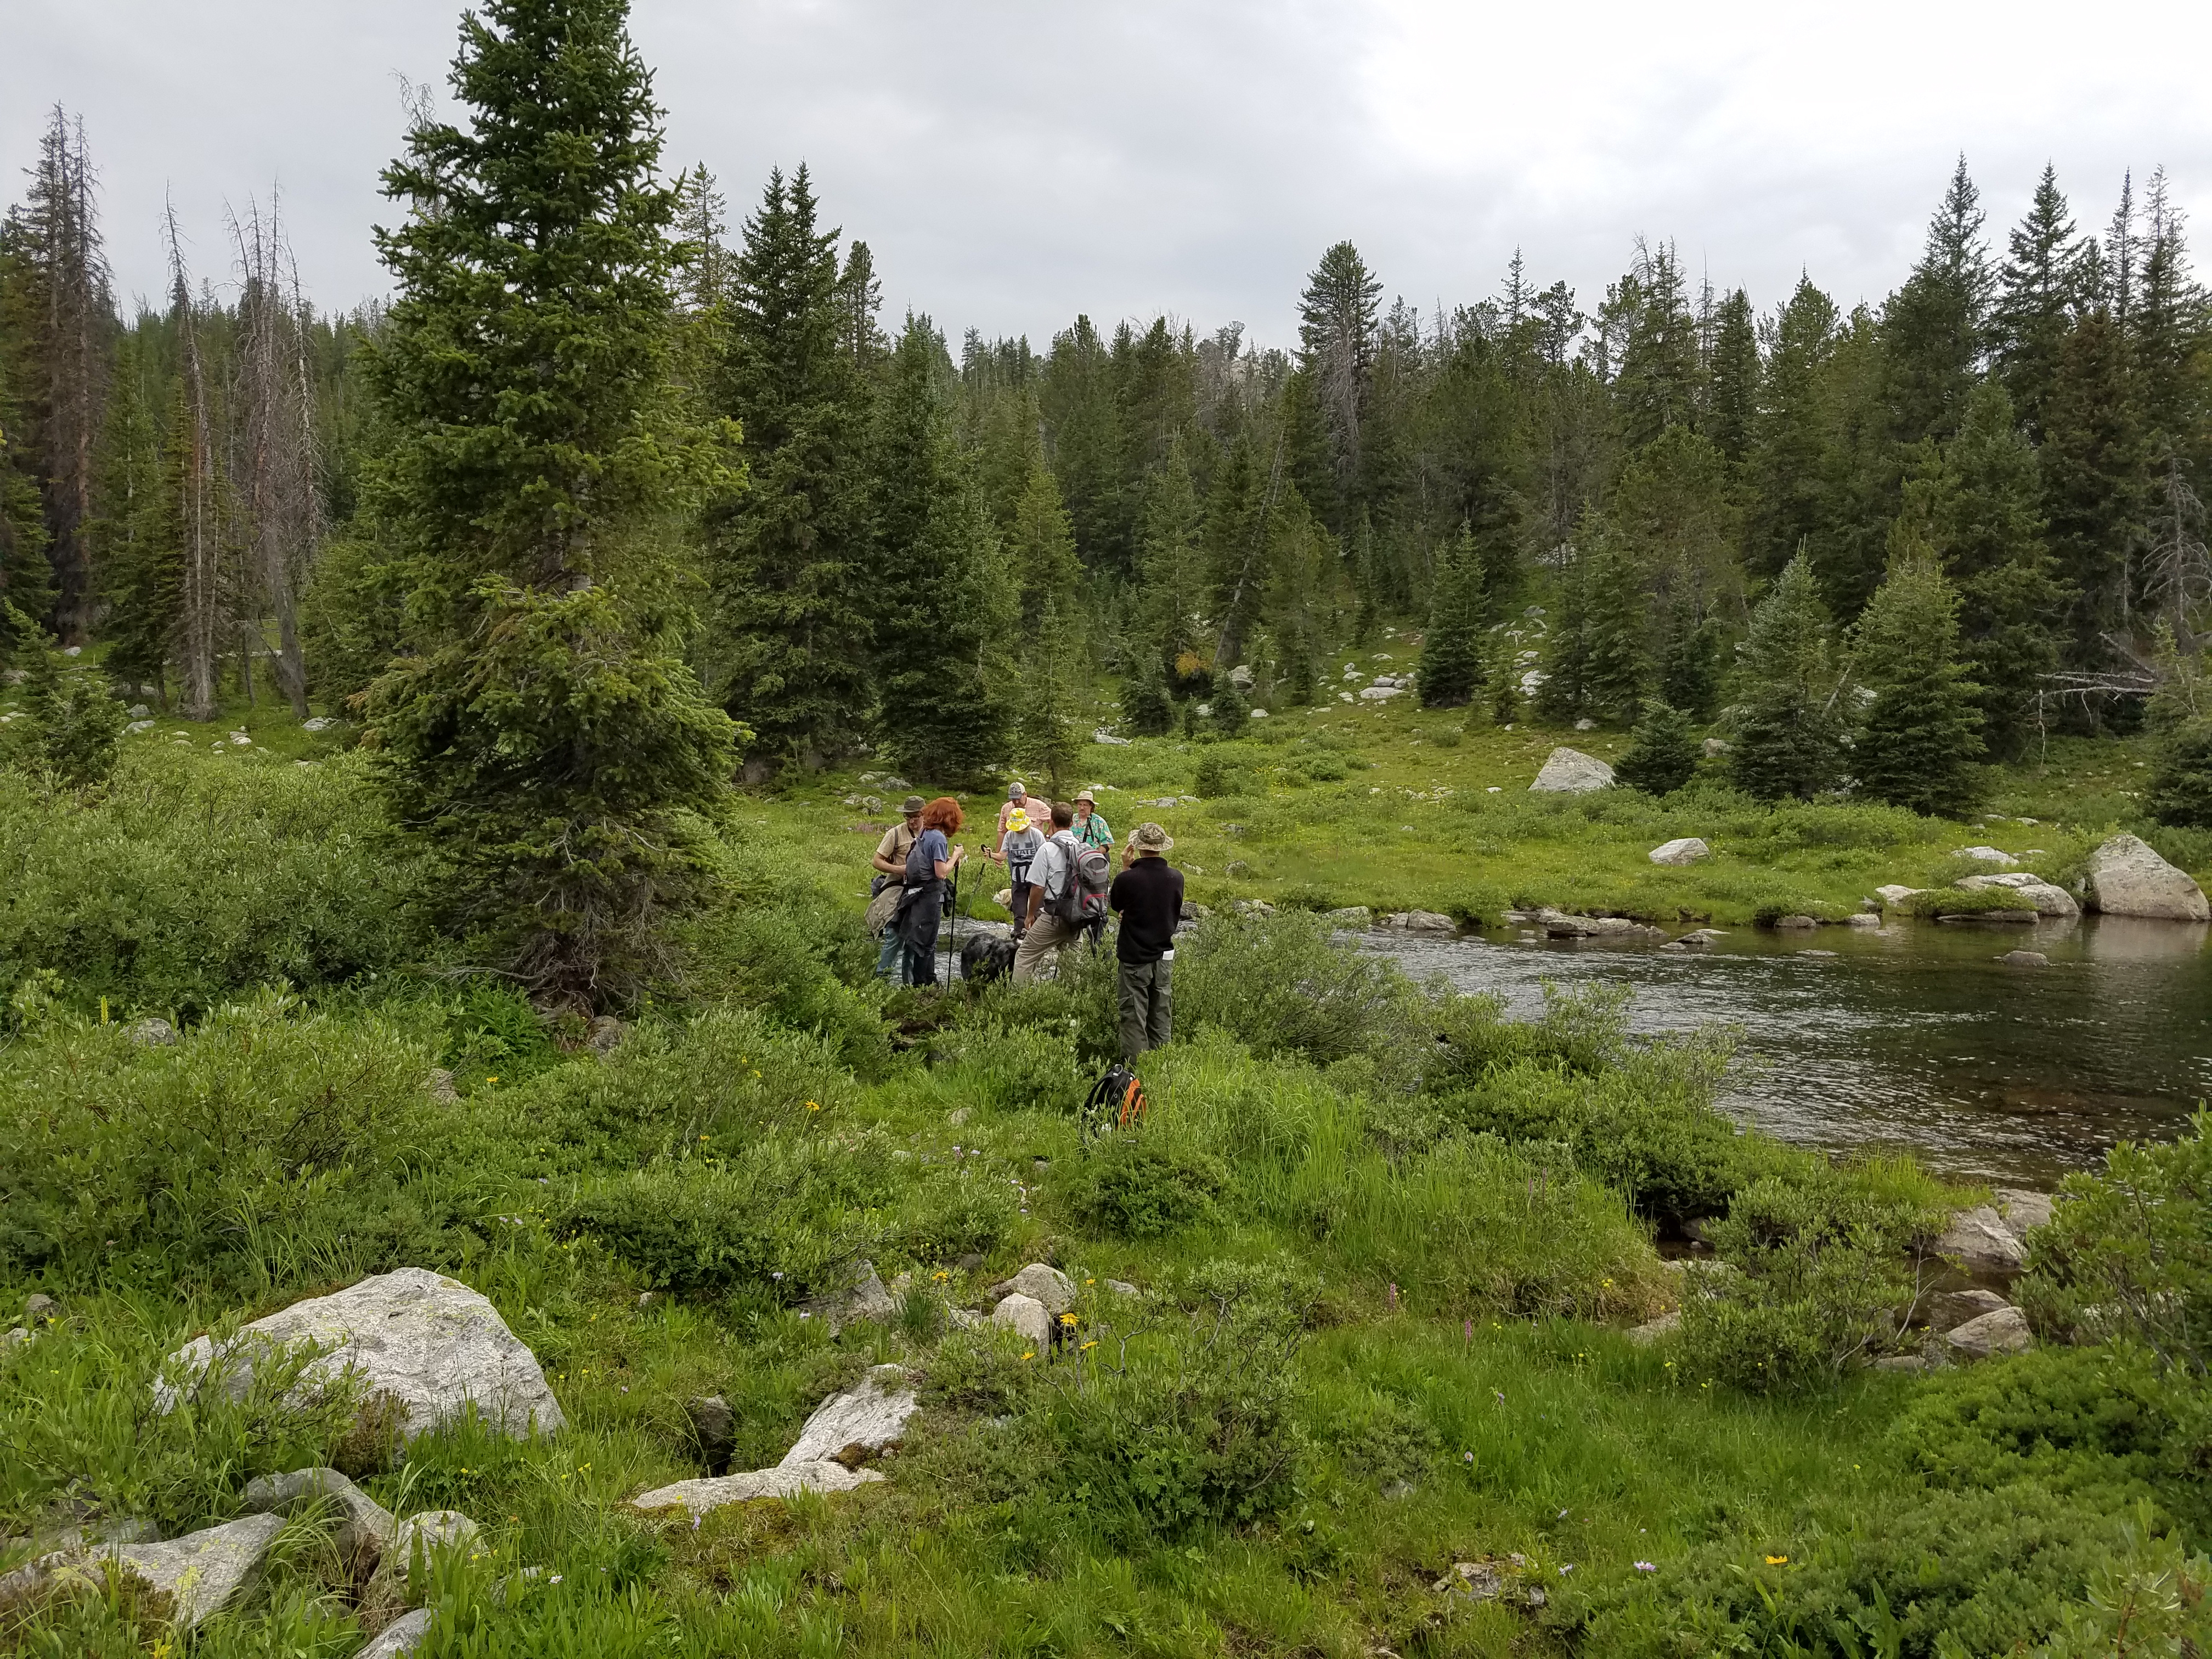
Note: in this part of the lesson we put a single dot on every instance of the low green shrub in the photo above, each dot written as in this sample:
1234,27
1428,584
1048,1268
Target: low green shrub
186,882
2129,1251
1961,900
1021,1069
267,1147
1279,985
1147,1182
1814,1271
779,1214
1192,1424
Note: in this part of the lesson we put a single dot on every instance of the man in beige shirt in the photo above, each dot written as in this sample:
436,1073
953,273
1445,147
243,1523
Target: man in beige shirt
890,863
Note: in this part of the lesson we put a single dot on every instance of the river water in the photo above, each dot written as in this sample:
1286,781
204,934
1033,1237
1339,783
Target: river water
1914,1036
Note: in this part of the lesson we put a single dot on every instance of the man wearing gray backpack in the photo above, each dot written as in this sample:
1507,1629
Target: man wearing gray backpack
1067,891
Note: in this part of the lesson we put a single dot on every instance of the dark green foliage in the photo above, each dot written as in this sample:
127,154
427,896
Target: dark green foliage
2180,792
2048,273
138,542
182,887
26,579
261,1147
70,723
1231,716
1787,727
545,734
1277,985
780,1217
1049,733
1690,671
2129,1251
786,646
1199,1431
1932,327
1662,753
1143,1184
1920,737
1146,708
1980,503
943,611
1818,1268
1450,669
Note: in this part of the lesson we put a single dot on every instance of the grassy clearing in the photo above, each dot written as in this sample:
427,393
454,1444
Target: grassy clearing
1389,1246
1394,807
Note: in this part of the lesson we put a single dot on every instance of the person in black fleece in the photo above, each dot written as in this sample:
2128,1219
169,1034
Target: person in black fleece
1148,897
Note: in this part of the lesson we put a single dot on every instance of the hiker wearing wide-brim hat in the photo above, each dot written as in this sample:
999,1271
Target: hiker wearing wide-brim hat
889,863
1148,897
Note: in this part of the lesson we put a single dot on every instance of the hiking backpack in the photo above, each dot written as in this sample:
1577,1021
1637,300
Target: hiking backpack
1082,900
1117,1101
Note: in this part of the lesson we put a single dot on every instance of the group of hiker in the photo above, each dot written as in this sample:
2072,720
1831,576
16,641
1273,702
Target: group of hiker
1062,890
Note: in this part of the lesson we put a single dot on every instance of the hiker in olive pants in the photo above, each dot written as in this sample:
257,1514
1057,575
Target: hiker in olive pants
1148,897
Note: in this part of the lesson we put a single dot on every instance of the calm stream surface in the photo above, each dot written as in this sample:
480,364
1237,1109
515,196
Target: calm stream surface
1915,1037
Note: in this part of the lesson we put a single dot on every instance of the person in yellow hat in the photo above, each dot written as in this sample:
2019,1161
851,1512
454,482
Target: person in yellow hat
1019,845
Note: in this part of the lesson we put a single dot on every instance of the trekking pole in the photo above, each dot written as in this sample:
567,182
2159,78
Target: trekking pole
952,947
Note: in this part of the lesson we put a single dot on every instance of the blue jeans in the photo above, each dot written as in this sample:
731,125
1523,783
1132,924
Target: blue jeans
888,959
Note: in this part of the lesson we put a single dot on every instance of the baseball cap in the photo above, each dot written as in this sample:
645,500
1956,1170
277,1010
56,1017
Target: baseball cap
1016,791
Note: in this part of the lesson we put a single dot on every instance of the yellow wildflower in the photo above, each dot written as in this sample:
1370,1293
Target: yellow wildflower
1777,1560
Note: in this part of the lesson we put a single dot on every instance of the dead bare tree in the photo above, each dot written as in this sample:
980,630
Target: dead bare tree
2177,571
199,509
274,480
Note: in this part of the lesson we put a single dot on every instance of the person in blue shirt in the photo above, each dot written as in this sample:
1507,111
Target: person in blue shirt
930,863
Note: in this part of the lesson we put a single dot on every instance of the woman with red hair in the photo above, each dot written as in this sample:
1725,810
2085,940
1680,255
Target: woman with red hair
930,863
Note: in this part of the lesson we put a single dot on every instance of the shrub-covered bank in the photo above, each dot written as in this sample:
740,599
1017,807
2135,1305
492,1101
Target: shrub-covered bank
1388,1245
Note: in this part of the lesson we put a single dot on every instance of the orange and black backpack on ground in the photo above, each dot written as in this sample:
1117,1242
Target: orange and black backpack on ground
1117,1101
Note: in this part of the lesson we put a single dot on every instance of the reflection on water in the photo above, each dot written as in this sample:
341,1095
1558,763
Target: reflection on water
1914,1036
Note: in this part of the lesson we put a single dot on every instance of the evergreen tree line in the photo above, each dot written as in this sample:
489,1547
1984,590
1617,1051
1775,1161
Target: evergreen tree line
611,497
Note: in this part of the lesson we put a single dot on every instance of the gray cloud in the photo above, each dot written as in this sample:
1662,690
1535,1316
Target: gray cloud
1014,163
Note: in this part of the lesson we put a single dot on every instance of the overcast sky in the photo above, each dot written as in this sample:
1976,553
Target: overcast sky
1014,163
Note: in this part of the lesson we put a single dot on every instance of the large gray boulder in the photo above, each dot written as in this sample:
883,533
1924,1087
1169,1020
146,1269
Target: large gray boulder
206,1571
866,1418
2004,1331
421,1348
1420,921
1570,772
1979,1238
1948,1309
1687,850
1026,1315
2023,1209
1054,1288
2127,878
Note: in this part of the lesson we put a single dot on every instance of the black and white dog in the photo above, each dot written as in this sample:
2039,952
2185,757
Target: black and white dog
984,958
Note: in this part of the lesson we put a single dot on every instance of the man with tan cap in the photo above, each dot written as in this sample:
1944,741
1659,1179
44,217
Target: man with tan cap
1090,829
890,870
1148,897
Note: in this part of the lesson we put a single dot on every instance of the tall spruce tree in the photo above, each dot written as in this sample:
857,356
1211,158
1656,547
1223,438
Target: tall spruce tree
1171,568
546,733
1337,339
1450,670
1788,732
2043,283
944,608
1662,755
1934,326
26,576
1919,737
2092,460
786,646
1980,502
1041,550
1790,432
1732,381
138,541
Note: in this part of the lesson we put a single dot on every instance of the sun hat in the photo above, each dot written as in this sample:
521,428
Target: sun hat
1085,794
1018,819
914,804
1150,838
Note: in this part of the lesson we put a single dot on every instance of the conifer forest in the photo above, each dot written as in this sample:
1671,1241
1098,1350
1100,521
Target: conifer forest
432,739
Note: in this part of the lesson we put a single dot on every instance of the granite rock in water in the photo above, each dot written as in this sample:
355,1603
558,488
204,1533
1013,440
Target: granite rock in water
2127,878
